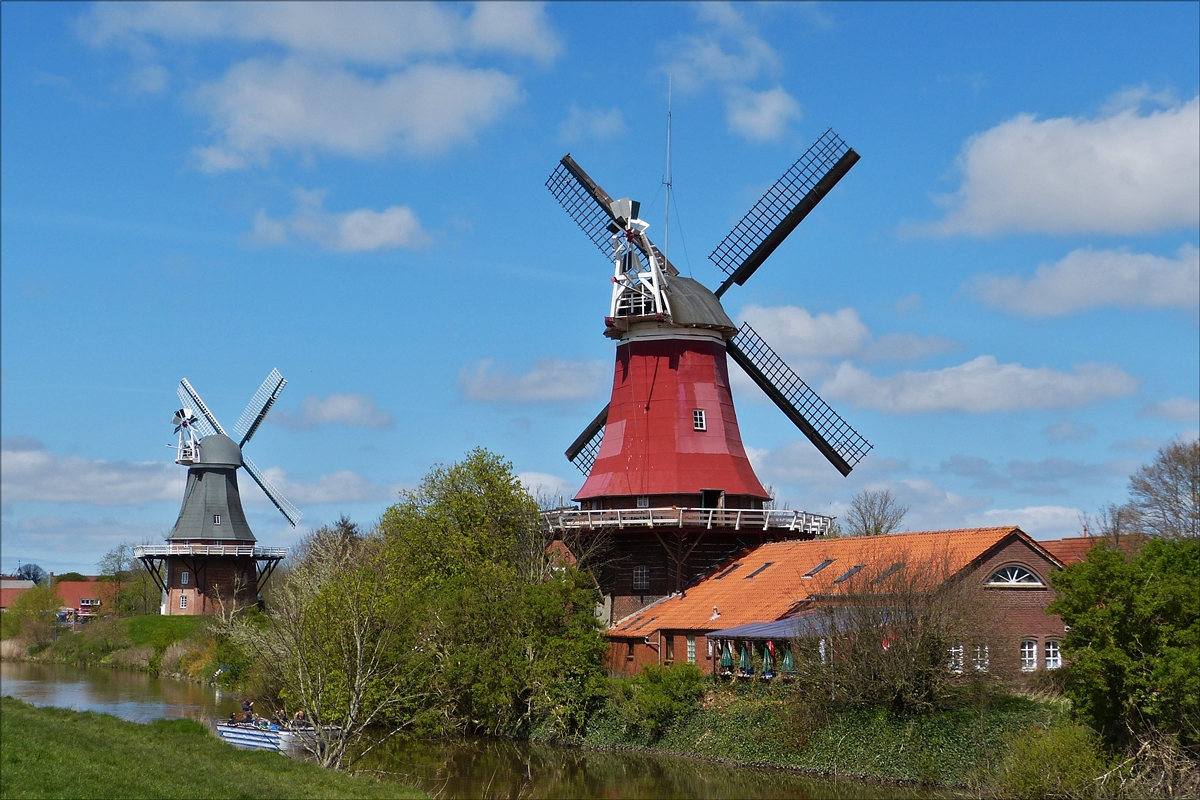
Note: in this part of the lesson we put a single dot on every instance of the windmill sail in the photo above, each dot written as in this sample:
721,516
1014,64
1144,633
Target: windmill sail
205,422
591,208
259,405
582,452
832,435
782,208
287,509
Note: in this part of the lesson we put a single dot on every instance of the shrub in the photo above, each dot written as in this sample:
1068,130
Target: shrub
138,656
1063,761
650,702
172,656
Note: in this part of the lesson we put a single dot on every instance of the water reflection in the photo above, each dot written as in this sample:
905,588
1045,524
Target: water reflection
135,696
502,769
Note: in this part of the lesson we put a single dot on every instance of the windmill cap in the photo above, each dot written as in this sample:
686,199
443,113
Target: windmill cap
220,451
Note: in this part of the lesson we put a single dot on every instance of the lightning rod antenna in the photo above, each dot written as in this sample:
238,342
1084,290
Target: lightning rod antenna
667,181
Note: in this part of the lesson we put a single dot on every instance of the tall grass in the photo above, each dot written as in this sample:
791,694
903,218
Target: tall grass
53,752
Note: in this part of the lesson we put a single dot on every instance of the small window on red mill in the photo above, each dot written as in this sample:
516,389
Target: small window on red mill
698,421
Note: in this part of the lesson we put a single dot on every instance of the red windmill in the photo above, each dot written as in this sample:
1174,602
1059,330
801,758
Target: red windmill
668,480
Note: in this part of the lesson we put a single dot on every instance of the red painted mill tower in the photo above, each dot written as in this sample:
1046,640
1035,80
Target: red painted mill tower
670,492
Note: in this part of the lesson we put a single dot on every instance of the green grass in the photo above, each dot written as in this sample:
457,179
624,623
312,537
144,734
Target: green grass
53,752
161,632
960,746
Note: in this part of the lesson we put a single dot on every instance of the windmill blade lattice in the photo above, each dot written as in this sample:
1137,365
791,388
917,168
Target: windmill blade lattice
832,435
204,422
591,208
782,208
259,405
287,509
584,201
582,452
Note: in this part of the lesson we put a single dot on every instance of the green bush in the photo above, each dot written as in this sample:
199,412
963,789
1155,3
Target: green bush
1062,761
650,702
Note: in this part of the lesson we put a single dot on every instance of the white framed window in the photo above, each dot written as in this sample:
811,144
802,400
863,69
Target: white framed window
1028,655
643,501
691,649
183,601
1014,576
699,423
982,659
641,578
1053,656
184,578
955,664
216,519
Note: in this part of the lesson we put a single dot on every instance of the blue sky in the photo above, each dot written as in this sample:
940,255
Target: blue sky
1001,296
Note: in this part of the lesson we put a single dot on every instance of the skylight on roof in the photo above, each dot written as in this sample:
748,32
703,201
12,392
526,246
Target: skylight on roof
850,573
760,569
726,572
818,568
889,572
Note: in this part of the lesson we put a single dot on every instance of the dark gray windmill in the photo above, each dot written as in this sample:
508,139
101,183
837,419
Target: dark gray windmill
667,304
211,558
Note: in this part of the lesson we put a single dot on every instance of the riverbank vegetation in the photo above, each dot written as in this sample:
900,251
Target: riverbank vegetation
53,752
190,648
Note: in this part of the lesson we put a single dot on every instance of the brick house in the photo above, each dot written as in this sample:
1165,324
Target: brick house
785,580
85,600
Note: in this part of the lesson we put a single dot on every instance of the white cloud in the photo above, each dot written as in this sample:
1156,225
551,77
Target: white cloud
29,475
348,232
260,106
1124,173
1040,522
731,55
356,80
761,116
351,410
591,123
338,487
794,331
551,379
375,34
979,386
1068,430
549,487
1088,278
62,544
1177,409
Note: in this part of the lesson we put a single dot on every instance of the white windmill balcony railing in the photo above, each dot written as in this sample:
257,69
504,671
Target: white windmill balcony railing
198,549
738,519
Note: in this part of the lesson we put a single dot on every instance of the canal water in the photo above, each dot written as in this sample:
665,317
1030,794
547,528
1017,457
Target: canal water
464,767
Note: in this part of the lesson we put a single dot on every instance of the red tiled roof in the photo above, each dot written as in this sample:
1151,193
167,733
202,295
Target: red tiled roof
72,592
1075,548
770,581
9,596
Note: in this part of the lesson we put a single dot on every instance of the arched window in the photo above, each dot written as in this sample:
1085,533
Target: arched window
1014,576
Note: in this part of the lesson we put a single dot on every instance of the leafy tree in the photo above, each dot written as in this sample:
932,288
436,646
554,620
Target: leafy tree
874,513
1134,639
1165,494
134,591
69,576
36,609
514,645
336,638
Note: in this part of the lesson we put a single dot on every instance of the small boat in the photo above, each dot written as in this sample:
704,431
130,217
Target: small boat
261,736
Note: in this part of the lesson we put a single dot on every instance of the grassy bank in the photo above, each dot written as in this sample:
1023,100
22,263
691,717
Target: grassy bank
763,725
52,752
185,647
